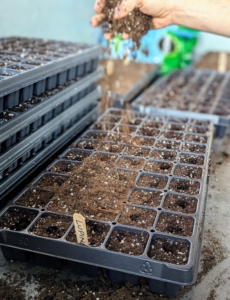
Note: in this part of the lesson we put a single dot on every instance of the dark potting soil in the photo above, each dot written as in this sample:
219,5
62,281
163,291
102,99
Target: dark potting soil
35,198
51,226
136,24
130,163
185,187
192,159
107,159
137,217
153,181
193,148
63,167
10,292
145,198
103,126
137,151
95,135
190,172
77,155
33,101
164,144
21,107
163,155
171,135
143,141
175,224
196,138
51,182
112,148
168,250
197,129
86,144
96,232
148,131
16,219
132,243
158,167
182,204
6,116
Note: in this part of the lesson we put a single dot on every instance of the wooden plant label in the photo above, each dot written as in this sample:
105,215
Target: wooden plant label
80,229
110,67
222,62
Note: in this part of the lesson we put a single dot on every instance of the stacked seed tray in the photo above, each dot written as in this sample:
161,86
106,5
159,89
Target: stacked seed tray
150,225
46,88
200,94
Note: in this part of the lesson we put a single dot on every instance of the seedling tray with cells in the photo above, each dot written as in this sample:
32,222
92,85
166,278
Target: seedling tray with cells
147,191
31,65
201,94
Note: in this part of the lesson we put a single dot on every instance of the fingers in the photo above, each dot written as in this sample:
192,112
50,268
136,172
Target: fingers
99,4
97,19
125,8
125,36
108,36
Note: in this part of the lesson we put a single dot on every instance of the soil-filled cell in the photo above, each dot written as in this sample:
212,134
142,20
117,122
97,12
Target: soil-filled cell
185,187
103,126
64,167
171,135
196,138
143,141
86,144
138,151
179,203
191,159
163,155
158,167
187,171
194,148
51,182
153,181
77,155
146,198
165,144
132,163
35,198
95,135
111,148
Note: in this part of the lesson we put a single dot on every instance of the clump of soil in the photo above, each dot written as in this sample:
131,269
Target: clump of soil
52,182
86,144
112,148
35,198
130,163
164,144
175,224
158,167
182,204
63,167
96,232
164,155
192,159
196,138
168,250
143,141
185,187
6,116
132,243
16,219
145,198
153,181
190,172
51,226
136,24
171,135
194,148
137,217
137,151
77,155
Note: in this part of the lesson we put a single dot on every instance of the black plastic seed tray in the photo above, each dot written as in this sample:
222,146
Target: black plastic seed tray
53,140
200,94
30,115
29,66
157,231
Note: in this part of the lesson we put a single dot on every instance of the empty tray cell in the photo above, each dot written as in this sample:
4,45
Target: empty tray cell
196,138
164,155
198,129
64,167
8,72
95,135
105,160
145,197
132,163
86,144
51,181
175,127
17,219
110,119
143,141
137,217
183,204
175,224
21,107
6,116
153,181
127,242
165,144
51,226
184,186
118,137
112,148
34,198
124,128
171,135
158,167
96,232
77,155
148,131
192,159
103,126
187,171
193,148
169,250
138,151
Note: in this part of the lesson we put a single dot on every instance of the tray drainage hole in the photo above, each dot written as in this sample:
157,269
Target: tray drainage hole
124,202
152,230
159,208
43,209
114,223
170,175
165,191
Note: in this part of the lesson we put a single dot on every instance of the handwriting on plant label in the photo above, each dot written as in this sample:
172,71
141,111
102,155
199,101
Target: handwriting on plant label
80,229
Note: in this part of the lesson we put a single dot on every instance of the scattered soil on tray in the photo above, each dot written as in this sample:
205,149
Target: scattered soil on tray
51,182
194,148
20,108
63,167
132,243
158,167
112,148
171,135
137,151
6,116
145,198
7,74
143,141
182,204
86,144
103,126
130,163
33,101
164,144
148,131
153,181
96,231
196,138
185,187
35,198
9,291
77,155
190,172
136,24
175,224
16,219
168,250
95,135
163,155
192,159
51,226
137,217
